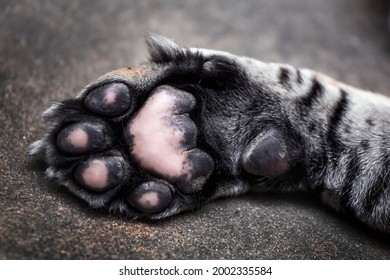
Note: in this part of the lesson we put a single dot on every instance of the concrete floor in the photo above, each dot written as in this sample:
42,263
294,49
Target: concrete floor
50,49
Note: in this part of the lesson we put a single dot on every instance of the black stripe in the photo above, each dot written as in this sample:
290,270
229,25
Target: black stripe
333,137
299,77
335,148
340,109
353,169
284,76
316,91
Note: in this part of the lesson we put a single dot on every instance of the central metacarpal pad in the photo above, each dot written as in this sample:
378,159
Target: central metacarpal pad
157,137
163,137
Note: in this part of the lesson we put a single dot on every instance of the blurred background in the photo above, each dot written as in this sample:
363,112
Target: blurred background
50,50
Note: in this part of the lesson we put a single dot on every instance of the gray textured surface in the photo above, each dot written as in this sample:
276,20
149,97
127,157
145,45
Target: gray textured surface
50,49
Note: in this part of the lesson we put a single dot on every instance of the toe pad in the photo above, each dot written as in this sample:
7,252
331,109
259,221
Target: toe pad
151,197
109,100
100,174
82,138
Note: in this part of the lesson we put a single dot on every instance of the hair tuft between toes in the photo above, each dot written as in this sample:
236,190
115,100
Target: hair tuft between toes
163,49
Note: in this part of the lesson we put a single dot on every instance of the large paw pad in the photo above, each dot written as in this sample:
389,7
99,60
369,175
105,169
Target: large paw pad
163,138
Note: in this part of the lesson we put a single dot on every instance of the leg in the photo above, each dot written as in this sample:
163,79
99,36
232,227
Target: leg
192,125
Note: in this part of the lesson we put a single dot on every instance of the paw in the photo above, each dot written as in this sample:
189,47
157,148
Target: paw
134,152
158,139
